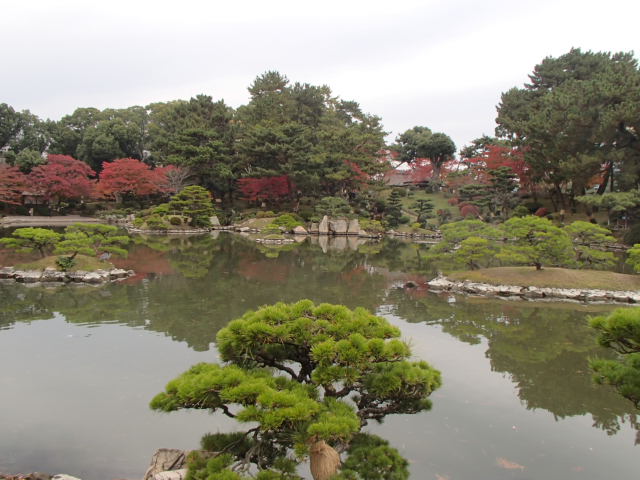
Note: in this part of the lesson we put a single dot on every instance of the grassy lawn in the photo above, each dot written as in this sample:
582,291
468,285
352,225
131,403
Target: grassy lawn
83,263
257,223
551,277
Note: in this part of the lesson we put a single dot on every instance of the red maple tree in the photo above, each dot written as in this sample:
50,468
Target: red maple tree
63,177
128,176
12,183
496,156
422,170
266,188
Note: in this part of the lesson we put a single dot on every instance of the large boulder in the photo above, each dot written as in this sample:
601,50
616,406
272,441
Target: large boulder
313,228
354,227
338,226
323,227
166,459
180,474
299,230
215,222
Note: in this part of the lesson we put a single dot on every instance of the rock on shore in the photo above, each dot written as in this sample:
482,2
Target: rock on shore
51,275
442,284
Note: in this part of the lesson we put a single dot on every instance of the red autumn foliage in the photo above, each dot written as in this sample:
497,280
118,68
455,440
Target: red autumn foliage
266,188
63,177
468,210
422,170
128,176
12,183
541,212
496,156
453,201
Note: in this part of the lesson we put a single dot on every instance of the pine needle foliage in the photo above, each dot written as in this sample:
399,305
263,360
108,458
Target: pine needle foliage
301,373
620,331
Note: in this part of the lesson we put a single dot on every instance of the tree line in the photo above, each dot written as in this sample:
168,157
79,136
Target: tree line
302,135
570,136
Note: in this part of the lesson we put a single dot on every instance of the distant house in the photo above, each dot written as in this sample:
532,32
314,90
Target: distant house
398,178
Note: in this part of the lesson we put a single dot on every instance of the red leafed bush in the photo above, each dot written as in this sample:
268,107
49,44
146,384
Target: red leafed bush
63,177
265,188
468,210
128,176
541,212
12,183
453,201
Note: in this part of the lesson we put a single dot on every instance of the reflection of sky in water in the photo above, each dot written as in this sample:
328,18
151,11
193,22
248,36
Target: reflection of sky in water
76,384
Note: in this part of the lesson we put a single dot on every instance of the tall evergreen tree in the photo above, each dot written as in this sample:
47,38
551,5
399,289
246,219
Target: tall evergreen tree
579,116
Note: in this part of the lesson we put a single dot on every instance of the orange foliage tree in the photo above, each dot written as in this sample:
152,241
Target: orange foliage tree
131,177
12,183
63,177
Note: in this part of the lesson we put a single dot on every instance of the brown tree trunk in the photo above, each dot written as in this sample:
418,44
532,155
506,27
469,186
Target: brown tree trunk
325,461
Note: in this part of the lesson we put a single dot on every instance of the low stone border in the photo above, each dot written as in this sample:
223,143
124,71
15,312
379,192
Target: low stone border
442,284
51,275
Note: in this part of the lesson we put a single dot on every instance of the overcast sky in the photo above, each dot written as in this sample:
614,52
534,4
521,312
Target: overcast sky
440,64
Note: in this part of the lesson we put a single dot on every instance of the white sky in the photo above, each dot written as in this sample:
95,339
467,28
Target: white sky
440,64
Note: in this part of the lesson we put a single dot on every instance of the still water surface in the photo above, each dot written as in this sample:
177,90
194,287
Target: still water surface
78,365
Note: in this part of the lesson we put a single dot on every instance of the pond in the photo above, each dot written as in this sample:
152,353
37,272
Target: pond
79,365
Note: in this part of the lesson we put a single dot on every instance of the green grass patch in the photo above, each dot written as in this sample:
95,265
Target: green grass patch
409,229
83,262
550,277
257,223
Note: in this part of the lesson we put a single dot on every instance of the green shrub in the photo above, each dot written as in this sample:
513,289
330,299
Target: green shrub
404,220
155,222
371,226
65,263
306,213
333,207
266,214
175,220
288,221
633,235
162,209
520,211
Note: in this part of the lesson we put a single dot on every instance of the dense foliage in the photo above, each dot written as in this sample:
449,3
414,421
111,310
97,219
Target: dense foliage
578,118
528,240
304,374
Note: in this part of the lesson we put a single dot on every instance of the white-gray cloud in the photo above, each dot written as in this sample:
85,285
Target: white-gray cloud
412,62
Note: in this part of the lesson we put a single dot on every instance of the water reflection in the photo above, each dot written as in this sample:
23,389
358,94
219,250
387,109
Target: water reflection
187,288
544,348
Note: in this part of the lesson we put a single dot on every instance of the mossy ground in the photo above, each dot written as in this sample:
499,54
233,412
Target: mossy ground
83,262
550,277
